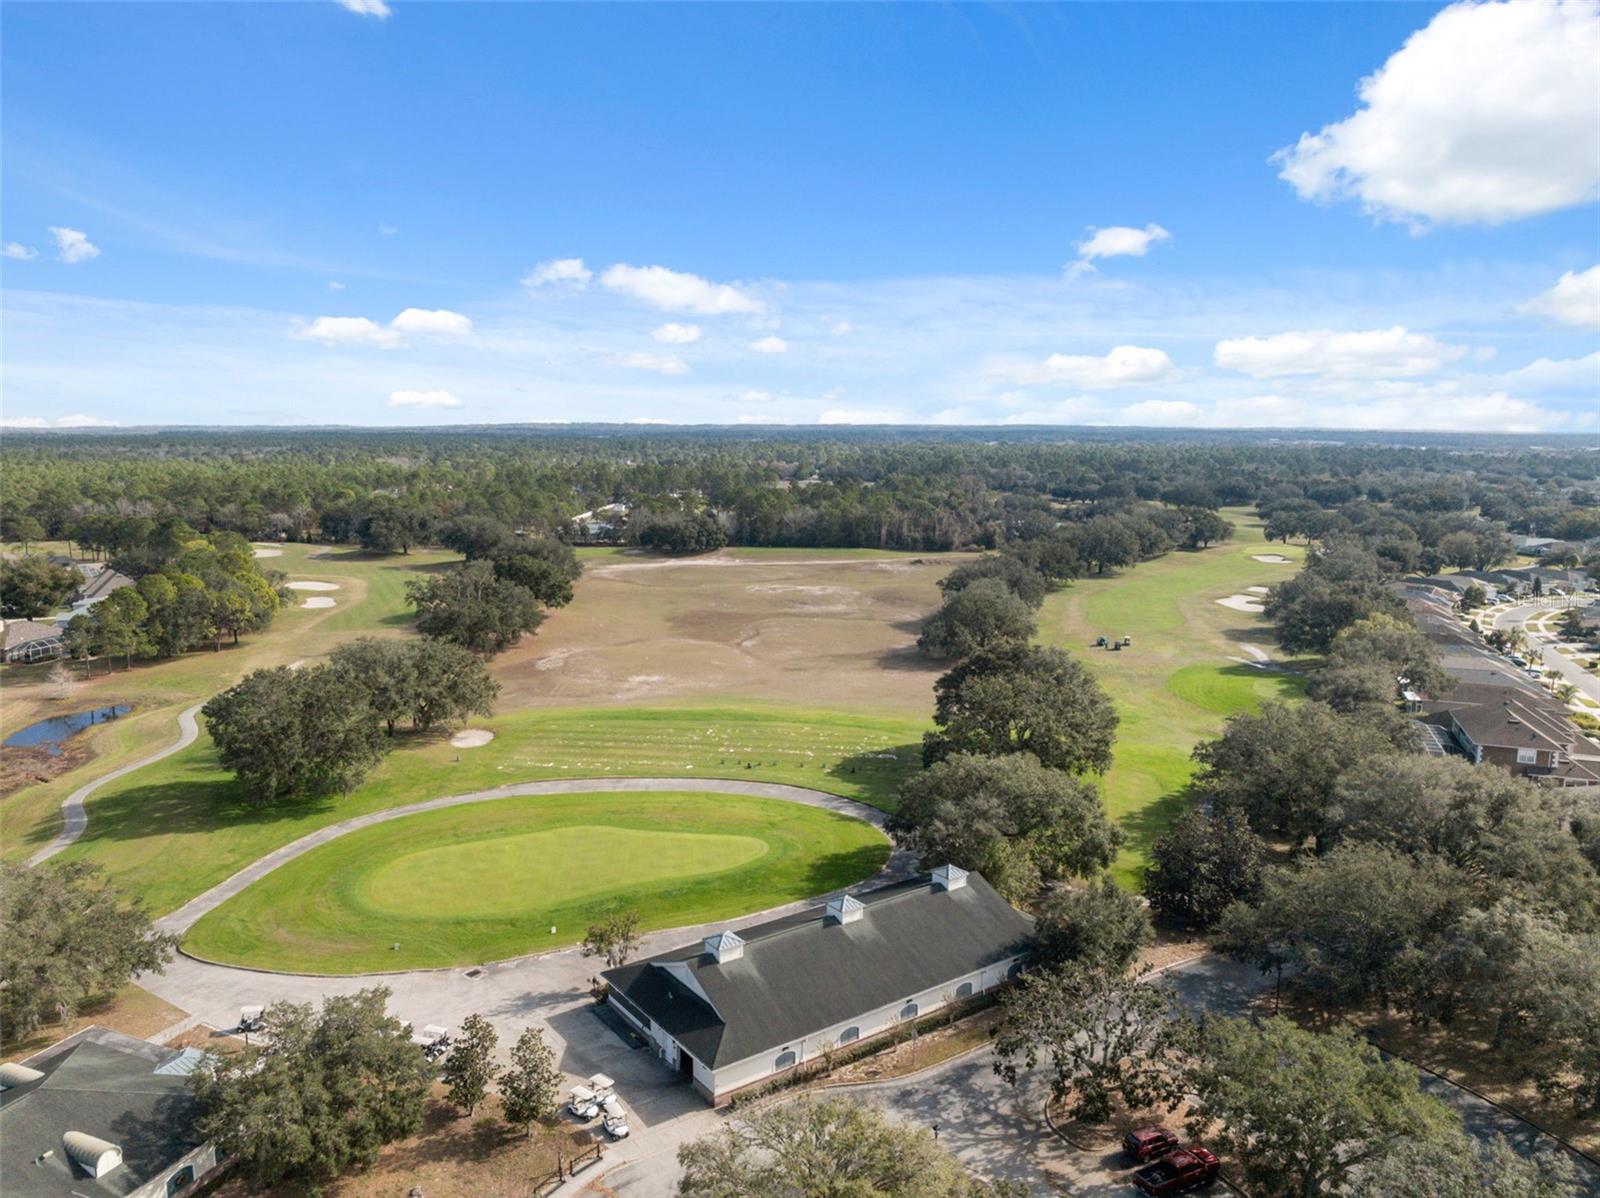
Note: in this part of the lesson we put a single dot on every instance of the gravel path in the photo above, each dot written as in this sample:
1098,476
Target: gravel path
73,817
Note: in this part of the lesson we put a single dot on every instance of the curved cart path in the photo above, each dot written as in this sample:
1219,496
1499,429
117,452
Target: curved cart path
187,915
73,817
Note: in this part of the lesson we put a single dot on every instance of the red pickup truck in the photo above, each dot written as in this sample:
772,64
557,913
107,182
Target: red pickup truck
1147,1143
1179,1172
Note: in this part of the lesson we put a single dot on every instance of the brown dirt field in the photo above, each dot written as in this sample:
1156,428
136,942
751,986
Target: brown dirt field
28,767
131,1011
814,630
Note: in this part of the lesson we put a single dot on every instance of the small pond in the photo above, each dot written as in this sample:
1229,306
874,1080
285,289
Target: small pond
53,733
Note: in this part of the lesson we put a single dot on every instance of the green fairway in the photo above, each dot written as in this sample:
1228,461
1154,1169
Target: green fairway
1186,671
487,881
369,601
175,829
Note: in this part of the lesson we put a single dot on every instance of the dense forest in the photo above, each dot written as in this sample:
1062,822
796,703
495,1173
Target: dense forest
1425,500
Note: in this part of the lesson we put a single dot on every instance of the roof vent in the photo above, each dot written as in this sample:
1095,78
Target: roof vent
844,909
13,1075
949,877
94,1156
724,947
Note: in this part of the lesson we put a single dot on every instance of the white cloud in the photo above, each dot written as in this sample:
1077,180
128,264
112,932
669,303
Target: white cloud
674,291
1549,374
757,397
1376,353
73,420
73,246
677,334
1124,366
1160,412
862,416
22,253
1116,241
769,345
559,270
432,322
749,418
366,8
841,327
1575,299
659,363
387,230
1422,408
649,420
1485,115
423,399
346,330
335,285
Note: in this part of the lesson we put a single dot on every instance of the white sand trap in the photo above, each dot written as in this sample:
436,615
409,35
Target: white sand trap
1276,558
295,665
267,552
472,738
318,601
1257,590
313,586
1242,603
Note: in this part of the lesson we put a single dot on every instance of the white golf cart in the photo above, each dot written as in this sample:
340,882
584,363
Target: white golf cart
433,1040
602,1086
251,1018
582,1104
615,1119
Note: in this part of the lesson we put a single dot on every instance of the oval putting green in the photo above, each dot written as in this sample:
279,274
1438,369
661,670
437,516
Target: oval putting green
485,881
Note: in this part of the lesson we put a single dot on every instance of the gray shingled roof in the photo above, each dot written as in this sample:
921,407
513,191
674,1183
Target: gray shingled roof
108,1085
801,974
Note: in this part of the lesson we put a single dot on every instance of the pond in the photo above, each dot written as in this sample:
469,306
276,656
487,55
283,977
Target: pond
53,733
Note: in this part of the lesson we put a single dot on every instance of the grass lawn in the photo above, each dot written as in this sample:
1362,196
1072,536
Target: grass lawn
1181,677
171,831
489,881
370,601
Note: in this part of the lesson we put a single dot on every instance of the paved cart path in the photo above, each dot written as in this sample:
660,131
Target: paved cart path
73,817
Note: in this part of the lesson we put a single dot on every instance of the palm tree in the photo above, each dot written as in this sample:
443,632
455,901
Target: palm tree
1565,691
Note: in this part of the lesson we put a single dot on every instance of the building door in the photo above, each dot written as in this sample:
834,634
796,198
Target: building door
685,1065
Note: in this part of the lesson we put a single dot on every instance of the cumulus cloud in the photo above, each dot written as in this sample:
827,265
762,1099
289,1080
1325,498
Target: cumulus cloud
659,363
571,271
1376,353
73,420
676,334
769,345
73,245
1124,366
1116,241
366,8
346,330
1580,375
675,291
1575,299
423,399
432,322
1485,115
23,253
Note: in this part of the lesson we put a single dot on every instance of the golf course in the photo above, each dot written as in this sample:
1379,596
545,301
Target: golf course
464,885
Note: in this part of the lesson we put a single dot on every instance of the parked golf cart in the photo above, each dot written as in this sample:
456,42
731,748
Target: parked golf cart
582,1104
1099,642
252,1018
615,1119
1127,642
602,1086
433,1040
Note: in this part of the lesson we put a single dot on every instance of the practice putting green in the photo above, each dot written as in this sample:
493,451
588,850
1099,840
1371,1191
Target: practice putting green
486,881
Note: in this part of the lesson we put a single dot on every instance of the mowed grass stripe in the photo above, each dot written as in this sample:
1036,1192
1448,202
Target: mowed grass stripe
174,830
488,881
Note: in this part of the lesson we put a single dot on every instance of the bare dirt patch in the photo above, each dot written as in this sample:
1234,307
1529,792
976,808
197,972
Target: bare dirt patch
471,738
815,630
34,764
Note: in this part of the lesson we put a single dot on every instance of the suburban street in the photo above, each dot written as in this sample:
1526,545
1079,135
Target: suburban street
1552,658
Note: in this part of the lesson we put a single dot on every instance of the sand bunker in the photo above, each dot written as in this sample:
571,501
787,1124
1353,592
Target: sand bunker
1257,590
319,601
313,586
471,738
295,665
1276,558
1242,603
267,552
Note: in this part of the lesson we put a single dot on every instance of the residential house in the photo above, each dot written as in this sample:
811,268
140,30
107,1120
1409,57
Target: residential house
1518,728
96,587
101,1113
741,1008
29,641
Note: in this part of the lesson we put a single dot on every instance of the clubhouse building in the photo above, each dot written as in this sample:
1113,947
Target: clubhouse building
741,1008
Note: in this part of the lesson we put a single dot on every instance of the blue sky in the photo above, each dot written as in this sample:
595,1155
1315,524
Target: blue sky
372,213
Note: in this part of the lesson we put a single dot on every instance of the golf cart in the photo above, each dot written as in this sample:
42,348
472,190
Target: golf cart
581,1104
615,1118
433,1040
1099,642
1127,642
251,1018
602,1086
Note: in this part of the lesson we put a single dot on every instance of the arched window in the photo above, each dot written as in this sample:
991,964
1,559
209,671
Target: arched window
964,990
850,1035
785,1059
180,1181
909,1011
